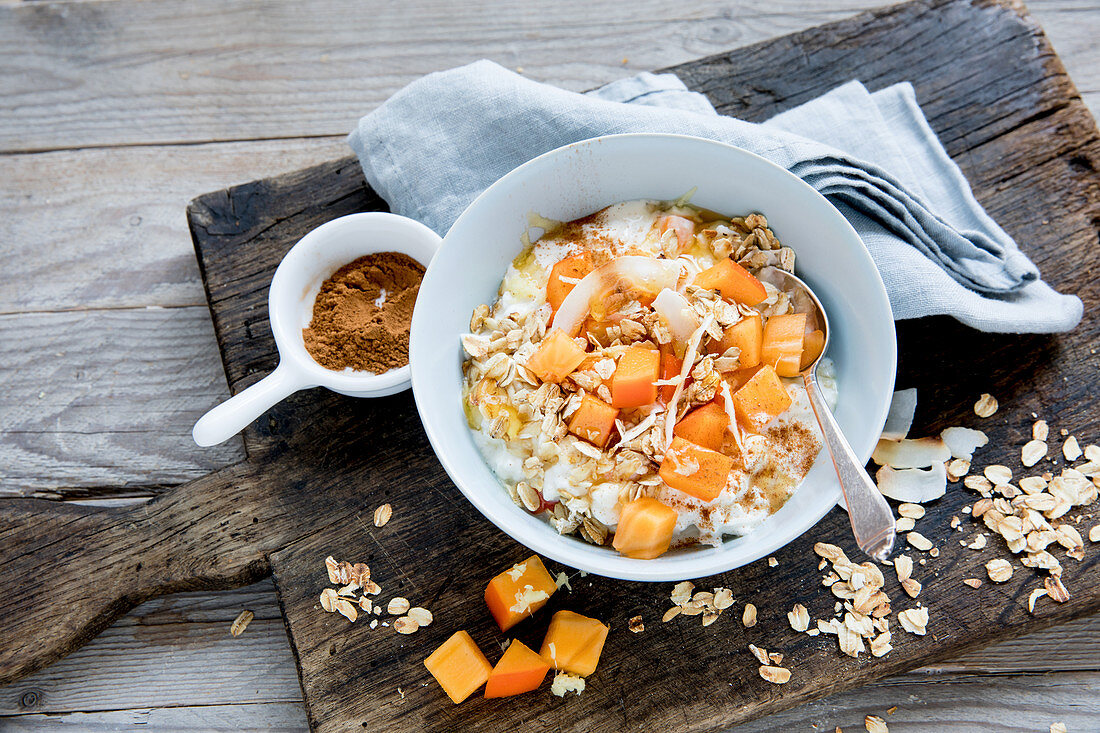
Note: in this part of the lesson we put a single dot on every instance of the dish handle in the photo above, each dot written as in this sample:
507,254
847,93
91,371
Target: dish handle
235,414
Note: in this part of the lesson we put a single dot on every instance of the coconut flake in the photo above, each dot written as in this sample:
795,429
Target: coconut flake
689,363
681,318
912,485
962,442
910,453
900,418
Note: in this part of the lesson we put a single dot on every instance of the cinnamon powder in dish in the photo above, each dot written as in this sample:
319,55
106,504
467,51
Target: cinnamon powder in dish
362,314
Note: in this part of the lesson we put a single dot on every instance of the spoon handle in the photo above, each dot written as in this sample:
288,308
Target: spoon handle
871,517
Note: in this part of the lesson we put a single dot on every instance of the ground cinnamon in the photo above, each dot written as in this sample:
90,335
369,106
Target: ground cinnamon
362,314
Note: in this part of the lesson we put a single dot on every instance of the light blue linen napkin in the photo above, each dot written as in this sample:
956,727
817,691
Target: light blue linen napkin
435,145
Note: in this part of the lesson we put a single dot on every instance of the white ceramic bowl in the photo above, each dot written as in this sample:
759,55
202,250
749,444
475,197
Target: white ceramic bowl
582,178
294,288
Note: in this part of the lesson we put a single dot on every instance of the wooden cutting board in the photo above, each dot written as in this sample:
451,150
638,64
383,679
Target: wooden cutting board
318,464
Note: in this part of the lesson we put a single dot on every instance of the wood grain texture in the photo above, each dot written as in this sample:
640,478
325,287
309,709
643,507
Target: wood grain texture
285,69
1075,215
949,704
175,651
103,228
1024,135
67,390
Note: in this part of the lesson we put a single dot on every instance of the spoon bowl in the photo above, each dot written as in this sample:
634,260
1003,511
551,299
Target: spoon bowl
872,519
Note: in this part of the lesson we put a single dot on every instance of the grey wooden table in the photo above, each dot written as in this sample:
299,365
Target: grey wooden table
114,113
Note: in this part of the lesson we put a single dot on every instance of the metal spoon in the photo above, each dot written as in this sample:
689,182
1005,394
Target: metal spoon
871,517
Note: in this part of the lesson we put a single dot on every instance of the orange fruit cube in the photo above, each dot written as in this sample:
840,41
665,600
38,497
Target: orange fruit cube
573,643
695,470
556,357
705,426
519,591
645,529
783,340
761,399
519,670
458,666
733,282
632,384
593,421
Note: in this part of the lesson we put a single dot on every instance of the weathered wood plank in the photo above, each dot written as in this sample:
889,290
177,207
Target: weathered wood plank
239,718
102,401
104,228
170,651
949,704
175,651
1032,106
190,80
162,654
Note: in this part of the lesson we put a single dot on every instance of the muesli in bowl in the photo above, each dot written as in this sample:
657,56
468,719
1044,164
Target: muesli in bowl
635,383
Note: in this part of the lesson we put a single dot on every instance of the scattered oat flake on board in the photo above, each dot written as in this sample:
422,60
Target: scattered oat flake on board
760,654
1040,430
775,675
772,562
973,582
328,599
398,606
919,541
913,511
748,618
241,622
405,625
382,515
1071,449
1058,728
346,609
1032,452
1094,534
875,724
914,620
422,616
998,474
1055,589
1035,595
799,617
670,614
999,569
636,625
986,405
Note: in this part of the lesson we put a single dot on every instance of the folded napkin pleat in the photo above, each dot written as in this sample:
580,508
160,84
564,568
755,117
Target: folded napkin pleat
438,143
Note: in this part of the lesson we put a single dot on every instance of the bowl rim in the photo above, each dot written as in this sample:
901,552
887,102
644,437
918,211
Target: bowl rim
617,566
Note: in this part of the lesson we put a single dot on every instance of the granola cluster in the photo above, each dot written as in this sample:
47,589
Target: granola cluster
506,401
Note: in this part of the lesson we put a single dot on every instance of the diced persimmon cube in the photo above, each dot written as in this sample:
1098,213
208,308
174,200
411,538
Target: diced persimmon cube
458,666
573,643
705,426
782,347
519,591
564,276
670,367
632,384
738,377
695,470
519,670
761,399
556,357
733,282
747,335
684,228
645,529
812,347
593,420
